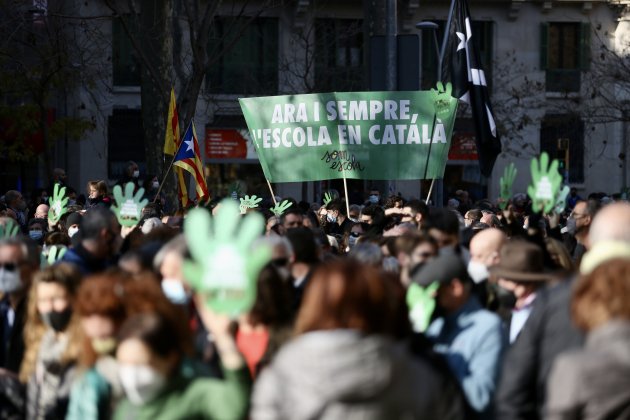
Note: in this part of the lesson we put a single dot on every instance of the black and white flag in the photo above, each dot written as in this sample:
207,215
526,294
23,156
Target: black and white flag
462,68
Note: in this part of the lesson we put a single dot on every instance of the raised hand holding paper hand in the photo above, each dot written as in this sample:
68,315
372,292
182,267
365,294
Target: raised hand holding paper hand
9,229
279,209
561,200
545,185
249,203
327,198
52,255
224,270
506,182
128,207
421,304
58,204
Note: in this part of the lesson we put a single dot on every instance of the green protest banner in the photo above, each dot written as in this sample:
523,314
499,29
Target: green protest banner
355,135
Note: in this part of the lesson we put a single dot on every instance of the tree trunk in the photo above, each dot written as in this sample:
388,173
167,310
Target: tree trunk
155,35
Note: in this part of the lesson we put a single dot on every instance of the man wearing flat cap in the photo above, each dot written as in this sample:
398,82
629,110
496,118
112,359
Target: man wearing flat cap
470,337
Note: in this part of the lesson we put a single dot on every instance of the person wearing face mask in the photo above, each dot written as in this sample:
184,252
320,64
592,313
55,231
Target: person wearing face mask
53,342
131,174
412,252
37,230
267,325
73,225
151,186
103,303
485,249
19,259
161,383
374,198
99,242
519,274
470,338
336,218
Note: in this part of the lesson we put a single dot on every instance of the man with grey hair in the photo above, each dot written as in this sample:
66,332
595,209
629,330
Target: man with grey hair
19,259
15,201
549,330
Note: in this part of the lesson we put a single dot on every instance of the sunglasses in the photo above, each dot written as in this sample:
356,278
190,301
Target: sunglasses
280,262
8,266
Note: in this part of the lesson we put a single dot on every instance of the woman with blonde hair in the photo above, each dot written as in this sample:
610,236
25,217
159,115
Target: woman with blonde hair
53,340
97,194
594,382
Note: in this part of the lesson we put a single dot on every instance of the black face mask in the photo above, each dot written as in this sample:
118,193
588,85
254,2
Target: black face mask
57,320
506,298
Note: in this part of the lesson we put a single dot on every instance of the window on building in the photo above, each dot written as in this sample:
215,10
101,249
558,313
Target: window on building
125,141
482,34
339,55
248,56
564,53
562,137
126,69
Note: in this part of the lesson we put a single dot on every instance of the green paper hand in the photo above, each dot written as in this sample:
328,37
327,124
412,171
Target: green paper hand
249,203
9,230
506,182
545,185
52,255
327,198
561,200
421,304
279,209
128,207
224,270
58,204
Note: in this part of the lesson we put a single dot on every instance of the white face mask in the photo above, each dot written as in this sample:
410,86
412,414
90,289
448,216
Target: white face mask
72,230
136,173
174,291
477,271
10,280
155,185
141,383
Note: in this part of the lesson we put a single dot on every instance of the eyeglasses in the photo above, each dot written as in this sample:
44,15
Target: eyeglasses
355,234
8,266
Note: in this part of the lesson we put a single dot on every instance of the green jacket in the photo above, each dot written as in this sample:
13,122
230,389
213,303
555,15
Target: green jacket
189,396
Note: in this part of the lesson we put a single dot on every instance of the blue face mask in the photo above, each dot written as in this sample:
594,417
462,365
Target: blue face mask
35,235
373,199
331,218
175,292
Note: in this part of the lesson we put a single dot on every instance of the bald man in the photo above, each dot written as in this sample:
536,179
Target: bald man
484,252
549,331
41,212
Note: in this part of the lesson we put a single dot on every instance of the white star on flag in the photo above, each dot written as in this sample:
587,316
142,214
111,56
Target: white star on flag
462,41
189,145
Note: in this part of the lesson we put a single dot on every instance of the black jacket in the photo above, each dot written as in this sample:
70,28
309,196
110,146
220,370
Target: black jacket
547,333
12,349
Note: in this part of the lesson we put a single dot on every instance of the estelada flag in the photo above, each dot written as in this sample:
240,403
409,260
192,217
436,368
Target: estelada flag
172,141
189,159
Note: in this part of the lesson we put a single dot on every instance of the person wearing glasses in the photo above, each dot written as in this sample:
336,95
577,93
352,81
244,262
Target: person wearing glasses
578,225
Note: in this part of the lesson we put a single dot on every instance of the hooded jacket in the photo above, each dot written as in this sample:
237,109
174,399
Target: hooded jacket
344,374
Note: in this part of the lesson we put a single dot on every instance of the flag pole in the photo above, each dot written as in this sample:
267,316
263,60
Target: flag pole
430,191
447,28
157,194
273,197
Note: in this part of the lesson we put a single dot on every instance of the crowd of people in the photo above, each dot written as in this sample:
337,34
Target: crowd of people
385,309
